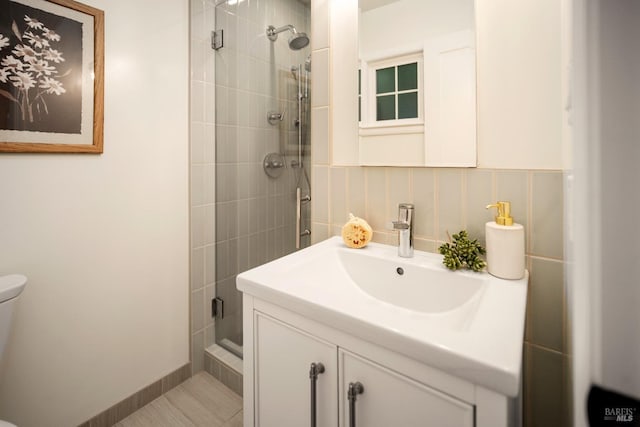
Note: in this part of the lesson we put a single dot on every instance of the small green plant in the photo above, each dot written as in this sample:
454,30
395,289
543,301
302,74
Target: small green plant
463,253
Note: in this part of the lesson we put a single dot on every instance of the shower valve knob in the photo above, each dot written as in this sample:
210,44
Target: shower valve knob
273,117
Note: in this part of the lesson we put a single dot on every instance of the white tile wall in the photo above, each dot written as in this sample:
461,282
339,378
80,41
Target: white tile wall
446,200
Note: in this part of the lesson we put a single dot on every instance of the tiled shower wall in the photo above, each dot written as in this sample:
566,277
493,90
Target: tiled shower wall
240,218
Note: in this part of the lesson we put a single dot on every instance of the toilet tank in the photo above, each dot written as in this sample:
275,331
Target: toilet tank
10,287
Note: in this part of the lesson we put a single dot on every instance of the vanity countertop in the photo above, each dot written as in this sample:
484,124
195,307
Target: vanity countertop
479,341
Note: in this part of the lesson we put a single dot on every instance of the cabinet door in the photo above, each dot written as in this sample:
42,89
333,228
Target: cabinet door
391,399
283,357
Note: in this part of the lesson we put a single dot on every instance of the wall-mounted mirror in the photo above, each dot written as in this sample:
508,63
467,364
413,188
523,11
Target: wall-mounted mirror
416,83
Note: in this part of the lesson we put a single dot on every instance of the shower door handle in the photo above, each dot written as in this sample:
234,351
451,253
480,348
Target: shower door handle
354,390
298,216
315,370
299,232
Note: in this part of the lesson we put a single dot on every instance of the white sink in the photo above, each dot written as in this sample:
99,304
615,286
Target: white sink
470,325
421,287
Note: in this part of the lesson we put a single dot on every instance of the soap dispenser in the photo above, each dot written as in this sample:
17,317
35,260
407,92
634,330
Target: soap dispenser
505,244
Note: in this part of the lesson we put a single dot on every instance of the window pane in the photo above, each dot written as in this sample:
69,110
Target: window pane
386,107
408,76
386,80
408,105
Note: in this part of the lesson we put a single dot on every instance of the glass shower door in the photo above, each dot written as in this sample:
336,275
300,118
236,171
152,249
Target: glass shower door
255,214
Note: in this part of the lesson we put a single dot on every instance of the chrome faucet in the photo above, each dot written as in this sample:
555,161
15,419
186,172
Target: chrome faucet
404,225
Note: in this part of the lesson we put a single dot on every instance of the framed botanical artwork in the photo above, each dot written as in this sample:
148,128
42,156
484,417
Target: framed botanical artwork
51,77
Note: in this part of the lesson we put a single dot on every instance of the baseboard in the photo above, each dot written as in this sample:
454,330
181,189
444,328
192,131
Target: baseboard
129,405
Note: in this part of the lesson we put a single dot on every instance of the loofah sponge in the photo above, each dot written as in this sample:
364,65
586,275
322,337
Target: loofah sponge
356,233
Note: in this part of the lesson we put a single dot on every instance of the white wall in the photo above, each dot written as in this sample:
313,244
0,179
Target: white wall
104,238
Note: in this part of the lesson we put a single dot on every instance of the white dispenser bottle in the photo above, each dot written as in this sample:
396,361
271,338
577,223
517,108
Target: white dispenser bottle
505,244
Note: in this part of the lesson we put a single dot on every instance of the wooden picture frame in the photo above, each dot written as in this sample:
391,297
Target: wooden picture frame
51,77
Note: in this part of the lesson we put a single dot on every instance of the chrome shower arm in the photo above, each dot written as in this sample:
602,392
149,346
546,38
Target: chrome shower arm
272,32
297,40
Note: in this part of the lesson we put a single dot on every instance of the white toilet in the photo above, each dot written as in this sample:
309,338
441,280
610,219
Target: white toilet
10,287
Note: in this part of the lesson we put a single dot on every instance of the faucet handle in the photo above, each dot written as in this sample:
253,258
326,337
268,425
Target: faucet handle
404,225
400,225
405,212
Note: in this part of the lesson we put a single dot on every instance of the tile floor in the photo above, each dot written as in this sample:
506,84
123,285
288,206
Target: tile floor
200,401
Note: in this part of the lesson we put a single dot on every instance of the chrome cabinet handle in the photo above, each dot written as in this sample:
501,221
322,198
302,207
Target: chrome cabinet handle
354,390
315,370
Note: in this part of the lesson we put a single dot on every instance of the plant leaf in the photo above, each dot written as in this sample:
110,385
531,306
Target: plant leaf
8,95
14,27
66,73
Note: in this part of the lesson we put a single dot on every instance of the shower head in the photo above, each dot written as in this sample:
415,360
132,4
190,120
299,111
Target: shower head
297,40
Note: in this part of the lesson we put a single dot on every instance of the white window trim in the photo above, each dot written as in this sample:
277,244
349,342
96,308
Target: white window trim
368,124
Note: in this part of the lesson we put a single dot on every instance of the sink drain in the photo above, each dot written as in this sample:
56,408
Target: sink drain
400,271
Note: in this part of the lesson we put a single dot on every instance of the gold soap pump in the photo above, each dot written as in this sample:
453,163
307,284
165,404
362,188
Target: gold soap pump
504,213
505,244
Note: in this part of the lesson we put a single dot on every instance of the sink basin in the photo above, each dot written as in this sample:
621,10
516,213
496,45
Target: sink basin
420,287
468,324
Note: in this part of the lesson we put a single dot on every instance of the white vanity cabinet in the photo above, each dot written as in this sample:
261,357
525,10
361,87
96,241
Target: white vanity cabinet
280,347
391,399
283,358
428,347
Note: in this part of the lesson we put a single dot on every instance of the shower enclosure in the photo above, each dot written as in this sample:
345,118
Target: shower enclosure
263,195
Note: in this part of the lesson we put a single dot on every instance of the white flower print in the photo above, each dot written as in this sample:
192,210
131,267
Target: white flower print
51,35
4,41
25,52
41,68
52,86
53,55
22,80
33,23
4,75
35,40
11,63
29,69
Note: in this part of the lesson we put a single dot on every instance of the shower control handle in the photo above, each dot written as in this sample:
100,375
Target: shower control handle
315,370
273,117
